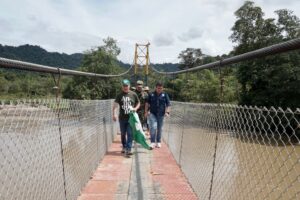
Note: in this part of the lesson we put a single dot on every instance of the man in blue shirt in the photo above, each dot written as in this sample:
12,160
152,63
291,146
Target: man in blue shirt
159,103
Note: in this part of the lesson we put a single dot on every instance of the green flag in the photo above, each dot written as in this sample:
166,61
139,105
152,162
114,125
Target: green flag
137,131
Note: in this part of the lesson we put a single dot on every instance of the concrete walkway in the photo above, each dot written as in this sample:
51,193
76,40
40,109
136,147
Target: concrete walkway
146,175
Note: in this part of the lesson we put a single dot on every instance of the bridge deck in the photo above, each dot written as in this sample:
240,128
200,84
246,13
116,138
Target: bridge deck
146,175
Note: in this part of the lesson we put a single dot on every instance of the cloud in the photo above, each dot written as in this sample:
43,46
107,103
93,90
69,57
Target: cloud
5,25
76,25
191,34
163,39
62,41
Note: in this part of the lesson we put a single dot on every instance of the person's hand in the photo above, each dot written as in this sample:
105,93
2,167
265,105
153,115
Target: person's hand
132,109
167,114
114,117
146,114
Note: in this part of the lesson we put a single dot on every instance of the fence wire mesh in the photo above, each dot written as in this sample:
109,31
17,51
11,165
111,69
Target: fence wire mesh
49,150
236,152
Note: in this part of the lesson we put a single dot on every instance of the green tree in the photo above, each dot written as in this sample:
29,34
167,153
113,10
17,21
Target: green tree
110,47
288,24
3,85
190,58
269,81
101,60
202,87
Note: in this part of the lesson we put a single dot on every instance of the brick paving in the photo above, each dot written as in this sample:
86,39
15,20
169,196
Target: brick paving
148,175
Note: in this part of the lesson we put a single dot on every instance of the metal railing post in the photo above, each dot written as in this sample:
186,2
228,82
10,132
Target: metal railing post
58,90
217,130
180,153
105,134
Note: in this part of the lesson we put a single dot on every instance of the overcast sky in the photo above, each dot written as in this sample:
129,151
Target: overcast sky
73,26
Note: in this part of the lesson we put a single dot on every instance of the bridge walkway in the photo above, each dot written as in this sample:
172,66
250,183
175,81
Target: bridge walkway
145,175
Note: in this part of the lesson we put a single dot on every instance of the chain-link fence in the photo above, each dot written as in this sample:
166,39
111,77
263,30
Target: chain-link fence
48,150
236,152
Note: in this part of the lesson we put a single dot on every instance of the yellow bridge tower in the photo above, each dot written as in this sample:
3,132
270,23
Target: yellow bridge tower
141,60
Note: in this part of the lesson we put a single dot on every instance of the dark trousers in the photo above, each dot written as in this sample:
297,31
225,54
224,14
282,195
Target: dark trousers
126,134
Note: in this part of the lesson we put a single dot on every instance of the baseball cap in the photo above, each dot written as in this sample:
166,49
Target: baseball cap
146,88
139,82
126,82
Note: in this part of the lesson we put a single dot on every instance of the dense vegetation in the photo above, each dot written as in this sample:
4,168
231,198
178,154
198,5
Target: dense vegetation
274,80
21,84
269,81
102,60
36,54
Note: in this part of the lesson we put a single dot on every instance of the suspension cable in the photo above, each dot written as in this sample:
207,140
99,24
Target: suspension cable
266,51
15,64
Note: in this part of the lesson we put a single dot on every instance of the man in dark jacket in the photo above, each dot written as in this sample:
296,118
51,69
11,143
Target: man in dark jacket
143,96
159,103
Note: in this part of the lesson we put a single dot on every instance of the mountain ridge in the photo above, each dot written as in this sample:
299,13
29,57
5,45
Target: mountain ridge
37,54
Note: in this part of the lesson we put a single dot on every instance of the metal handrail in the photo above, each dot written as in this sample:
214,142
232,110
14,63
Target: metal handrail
266,51
15,64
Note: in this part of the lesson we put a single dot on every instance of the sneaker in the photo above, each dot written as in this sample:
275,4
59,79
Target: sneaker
129,152
152,145
123,150
158,145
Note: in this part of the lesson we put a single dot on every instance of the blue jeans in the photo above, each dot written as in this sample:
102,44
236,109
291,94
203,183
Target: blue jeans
156,123
126,131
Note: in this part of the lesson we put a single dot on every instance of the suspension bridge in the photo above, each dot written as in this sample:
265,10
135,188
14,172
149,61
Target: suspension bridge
65,149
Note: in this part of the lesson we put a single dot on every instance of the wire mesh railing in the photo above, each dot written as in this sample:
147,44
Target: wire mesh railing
49,149
236,152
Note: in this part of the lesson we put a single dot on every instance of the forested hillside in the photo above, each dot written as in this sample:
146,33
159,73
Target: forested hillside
20,84
36,54
269,81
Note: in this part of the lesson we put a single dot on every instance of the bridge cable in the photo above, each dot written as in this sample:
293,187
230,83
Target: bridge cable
266,51
15,64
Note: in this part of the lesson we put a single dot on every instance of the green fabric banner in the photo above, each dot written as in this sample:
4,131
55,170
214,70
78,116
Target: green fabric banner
137,130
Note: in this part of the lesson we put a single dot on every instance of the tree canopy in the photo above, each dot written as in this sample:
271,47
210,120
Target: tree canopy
268,81
101,60
273,80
